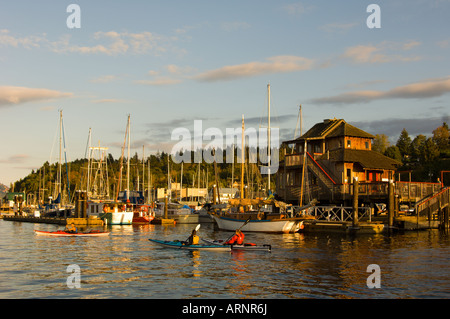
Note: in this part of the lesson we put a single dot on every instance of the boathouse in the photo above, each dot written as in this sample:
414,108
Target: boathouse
322,163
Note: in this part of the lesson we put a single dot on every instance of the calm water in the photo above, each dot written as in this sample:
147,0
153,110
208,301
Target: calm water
126,265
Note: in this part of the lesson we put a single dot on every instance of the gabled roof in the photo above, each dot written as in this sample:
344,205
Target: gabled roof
367,159
332,128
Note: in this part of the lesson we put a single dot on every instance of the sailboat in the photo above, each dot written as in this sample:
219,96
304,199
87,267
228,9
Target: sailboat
120,213
55,207
182,214
258,215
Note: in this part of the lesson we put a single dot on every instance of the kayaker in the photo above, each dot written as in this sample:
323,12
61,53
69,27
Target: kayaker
193,239
71,229
238,238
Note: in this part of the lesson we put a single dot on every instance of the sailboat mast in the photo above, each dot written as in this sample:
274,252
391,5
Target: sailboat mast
128,161
268,136
242,157
60,152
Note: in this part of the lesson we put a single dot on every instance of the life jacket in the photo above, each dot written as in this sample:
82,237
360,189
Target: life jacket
240,239
193,240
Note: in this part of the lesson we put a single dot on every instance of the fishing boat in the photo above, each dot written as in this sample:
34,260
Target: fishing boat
61,233
245,246
180,245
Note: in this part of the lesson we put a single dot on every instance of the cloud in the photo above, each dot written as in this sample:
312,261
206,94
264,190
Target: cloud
382,53
109,101
174,74
295,8
15,159
420,90
109,43
160,81
104,79
392,127
276,64
18,95
27,42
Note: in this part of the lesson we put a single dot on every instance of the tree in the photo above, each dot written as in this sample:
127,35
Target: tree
393,152
429,151
404,144
416,147
441,137
380,143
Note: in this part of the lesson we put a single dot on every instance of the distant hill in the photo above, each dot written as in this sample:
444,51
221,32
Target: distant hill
3,190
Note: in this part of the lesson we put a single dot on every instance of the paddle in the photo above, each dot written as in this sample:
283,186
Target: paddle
239,228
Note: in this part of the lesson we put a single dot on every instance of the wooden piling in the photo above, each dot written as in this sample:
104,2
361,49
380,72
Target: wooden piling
355,202
446,221
391,204
166,206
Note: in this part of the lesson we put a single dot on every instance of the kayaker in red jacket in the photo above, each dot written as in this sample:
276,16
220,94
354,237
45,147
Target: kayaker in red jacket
238,238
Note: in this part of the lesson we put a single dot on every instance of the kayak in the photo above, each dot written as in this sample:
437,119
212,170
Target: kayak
245,246
61,233
178,244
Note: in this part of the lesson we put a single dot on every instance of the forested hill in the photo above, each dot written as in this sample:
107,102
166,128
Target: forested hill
3,190
76,174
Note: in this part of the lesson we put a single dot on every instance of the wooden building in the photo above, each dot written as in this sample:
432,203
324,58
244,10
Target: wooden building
336,153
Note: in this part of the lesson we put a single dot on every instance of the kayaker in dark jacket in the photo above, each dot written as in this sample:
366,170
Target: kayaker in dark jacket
193,239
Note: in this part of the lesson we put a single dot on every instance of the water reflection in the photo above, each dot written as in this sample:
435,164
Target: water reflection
126,265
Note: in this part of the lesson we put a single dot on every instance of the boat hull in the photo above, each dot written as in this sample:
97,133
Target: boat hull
285,225
244,246
117,218
60,233
179,245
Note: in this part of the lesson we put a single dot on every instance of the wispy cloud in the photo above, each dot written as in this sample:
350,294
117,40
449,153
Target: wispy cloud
276,64
101,101
381,53
15,159
104,79
297,8
108,43
420,90
10,95
170,75
392,127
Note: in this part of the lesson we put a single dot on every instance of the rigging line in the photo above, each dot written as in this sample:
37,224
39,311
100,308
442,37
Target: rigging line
65,157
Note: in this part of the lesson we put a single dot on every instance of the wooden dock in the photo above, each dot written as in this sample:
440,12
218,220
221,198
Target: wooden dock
29,219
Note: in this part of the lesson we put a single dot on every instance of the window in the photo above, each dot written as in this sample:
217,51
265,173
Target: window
349,143
367,145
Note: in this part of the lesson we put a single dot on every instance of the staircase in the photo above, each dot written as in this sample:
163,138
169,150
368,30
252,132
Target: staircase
320,173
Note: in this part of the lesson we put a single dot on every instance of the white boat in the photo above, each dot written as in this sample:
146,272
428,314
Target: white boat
181,214
275,225
110,212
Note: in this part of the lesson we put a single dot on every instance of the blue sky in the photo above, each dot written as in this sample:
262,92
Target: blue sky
168,63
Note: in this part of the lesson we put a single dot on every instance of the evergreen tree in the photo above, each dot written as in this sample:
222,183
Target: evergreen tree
404,144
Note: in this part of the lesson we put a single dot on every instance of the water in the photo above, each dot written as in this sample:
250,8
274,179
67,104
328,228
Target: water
126,265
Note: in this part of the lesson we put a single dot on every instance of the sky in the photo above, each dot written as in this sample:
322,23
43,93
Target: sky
169,63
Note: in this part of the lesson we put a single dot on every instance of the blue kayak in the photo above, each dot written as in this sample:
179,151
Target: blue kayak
180,245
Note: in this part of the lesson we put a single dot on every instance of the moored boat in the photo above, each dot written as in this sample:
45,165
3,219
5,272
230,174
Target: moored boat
180,245
178,212
267,216
61,233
